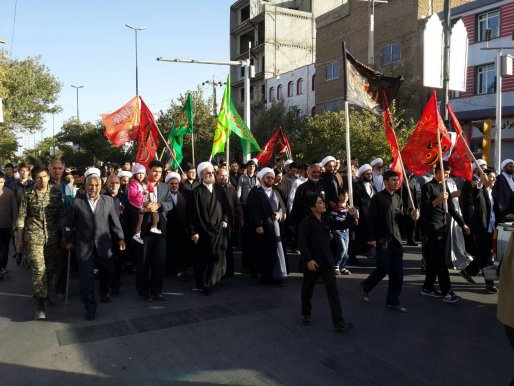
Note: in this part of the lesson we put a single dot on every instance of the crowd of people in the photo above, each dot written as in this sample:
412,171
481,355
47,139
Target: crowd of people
155,221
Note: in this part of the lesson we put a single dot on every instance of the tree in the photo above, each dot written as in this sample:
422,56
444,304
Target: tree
204,125
84,144
324,134
277,115
43,152
29,92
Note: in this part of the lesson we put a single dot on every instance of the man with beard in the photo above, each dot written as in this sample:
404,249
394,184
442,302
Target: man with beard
92,224
124,177
208,221
119,256
483,225
178,243
300,180
377,167
245,184
363,191
234,173
435,234
503,191
330,182
235,214
190,183
264,214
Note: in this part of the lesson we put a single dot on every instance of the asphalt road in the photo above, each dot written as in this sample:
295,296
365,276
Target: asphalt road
249,334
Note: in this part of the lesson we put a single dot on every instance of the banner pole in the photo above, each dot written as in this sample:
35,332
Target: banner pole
445,201
348,150
169,148
193,148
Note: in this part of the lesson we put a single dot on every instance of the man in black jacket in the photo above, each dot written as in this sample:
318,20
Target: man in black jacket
503,191
435,232
383,234
483,225
314,244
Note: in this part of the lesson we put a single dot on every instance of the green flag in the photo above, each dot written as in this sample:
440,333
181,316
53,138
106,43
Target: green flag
229,121
183,124
238,126
222,131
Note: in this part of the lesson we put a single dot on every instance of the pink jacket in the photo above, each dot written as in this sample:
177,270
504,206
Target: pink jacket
136,193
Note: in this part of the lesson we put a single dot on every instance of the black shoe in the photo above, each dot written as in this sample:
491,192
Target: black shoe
90,316
467,276
4,271
342,327
1,276
159,297
354,261
105,298
306,320
412,243
491,288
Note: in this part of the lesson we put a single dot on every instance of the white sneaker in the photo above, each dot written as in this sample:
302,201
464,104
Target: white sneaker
138,238
156,230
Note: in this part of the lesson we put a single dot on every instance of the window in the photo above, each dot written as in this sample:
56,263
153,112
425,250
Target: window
299,86
332,106
242,94
332,71
312,82
486,82
391,53
279,92
290,89
242,72
251,92
263,92
262,64
489,20
245,13
271,95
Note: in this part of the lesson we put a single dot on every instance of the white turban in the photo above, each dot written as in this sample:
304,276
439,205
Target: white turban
202,166
326,160
479,163
288,162
124,173
138,168
91,171
364,168
171,175
506,162
265,171
377,161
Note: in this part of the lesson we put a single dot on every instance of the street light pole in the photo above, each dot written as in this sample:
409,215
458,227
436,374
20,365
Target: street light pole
135,36
77,88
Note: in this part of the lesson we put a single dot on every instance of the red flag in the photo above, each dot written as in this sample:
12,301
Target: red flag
393,144
148,138
122,125
421,151
277,144
460,160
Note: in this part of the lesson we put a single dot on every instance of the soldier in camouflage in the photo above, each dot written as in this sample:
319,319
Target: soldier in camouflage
40,224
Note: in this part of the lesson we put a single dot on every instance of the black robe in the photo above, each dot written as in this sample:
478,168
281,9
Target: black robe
207,212
266,249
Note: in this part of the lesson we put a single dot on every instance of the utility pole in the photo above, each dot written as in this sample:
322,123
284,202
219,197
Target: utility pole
135,35
77,88
499,74
214,84
371,31
239,63
446,59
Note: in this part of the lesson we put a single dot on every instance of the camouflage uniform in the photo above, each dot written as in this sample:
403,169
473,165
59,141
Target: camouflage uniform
41,215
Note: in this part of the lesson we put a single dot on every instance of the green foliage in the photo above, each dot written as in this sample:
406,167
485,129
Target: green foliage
83,144
324,134
29,92
277,115
204,125
43,153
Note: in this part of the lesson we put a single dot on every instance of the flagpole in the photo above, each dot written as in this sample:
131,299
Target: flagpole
445,201
162,153
169,148
347,127
228,152
193,148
